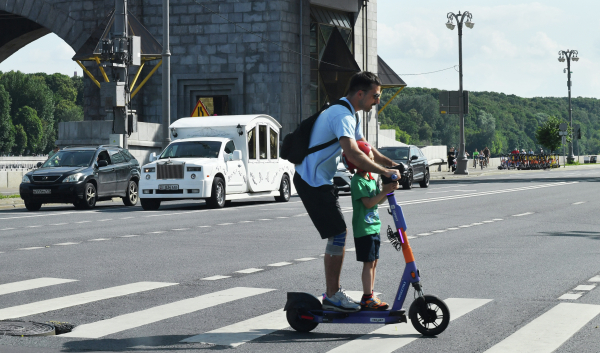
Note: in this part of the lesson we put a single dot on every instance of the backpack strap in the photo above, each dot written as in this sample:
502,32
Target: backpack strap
329,143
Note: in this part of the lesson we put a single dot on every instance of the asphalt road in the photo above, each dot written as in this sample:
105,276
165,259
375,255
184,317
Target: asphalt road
502,250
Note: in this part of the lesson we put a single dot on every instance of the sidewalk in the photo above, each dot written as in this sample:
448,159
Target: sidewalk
475,172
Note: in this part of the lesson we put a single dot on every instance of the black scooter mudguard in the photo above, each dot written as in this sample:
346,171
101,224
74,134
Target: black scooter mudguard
303,300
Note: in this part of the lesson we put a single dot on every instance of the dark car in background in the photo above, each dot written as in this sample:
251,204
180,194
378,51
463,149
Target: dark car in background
82,176
414,160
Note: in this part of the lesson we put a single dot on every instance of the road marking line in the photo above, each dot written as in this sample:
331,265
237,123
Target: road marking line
423,234
351,249
585,287
33,226
127,218
453,228
32,284
246,222
78,299
522,214
180,229
224,224
265,219
250,270
548,331
144,317
59,224
488,221
476,224
244,331
215,278
578,203
498,219
283,217
7,229
439,231
158,232
279,264
128,236
32,248
83,222
570,296
594,279
408,236
69,243
99,239
465,226
306,259
103,220
392,337
204,226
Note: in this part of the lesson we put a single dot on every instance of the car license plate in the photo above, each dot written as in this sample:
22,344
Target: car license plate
41,191
168,187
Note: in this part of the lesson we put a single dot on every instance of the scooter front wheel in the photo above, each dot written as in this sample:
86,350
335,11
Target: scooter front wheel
293,316
429,315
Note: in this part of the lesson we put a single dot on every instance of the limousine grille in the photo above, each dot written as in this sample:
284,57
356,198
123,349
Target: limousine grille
169,171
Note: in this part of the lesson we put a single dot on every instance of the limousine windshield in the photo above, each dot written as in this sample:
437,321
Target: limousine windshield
192,149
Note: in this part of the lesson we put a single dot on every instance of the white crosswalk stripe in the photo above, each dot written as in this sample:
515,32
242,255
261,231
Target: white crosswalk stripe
32,284
549,331
392,337
162,312
78,299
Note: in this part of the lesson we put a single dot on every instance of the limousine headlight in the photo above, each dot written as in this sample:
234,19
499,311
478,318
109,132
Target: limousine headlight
150,170
73,178
194,169
26,179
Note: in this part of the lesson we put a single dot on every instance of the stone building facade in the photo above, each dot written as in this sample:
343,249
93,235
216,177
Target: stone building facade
243,56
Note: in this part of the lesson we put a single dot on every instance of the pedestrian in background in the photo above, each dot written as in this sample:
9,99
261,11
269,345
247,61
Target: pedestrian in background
53,152
475,156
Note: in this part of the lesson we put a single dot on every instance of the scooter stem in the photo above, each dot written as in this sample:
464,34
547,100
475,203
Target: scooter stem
400,224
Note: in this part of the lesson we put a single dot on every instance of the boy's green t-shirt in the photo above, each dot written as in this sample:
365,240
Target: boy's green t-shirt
365,221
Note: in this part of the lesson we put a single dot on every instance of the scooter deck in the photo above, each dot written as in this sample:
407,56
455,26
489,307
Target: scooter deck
358,317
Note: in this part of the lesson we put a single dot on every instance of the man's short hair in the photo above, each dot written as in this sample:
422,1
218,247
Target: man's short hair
362,81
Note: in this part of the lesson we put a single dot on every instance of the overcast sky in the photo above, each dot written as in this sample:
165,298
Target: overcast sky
513,47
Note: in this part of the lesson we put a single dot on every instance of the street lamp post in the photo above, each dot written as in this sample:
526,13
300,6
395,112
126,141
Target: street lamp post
569,55
462,163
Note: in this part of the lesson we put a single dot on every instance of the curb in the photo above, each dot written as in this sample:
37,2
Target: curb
19,203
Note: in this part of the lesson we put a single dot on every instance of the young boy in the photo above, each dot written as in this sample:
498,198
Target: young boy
366,225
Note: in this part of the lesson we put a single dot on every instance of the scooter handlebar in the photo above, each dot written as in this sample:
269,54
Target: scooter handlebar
400,167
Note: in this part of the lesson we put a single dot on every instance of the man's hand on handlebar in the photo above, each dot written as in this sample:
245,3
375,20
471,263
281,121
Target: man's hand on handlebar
389,188
391,172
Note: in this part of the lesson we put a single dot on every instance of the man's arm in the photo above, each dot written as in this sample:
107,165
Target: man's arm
361,160
380,158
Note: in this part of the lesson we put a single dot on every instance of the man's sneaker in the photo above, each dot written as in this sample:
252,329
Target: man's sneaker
373,303
340,302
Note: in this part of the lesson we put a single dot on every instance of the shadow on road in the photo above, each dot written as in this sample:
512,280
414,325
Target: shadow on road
574,233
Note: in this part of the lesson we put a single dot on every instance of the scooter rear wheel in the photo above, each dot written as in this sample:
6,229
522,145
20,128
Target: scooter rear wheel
293,317
429,315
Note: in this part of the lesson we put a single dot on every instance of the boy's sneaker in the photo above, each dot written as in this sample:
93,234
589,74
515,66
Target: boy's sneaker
373,303
340,302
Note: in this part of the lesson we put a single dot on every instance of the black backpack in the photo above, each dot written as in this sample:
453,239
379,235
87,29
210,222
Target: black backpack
294,147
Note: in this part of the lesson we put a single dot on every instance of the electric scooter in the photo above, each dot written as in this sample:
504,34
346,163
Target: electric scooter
428,314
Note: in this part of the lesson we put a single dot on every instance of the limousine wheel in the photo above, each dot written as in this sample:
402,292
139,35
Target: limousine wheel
33,206
284,190
150,204
217,196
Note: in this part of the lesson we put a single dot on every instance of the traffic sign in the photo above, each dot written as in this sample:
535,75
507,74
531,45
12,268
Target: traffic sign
450,100
563,127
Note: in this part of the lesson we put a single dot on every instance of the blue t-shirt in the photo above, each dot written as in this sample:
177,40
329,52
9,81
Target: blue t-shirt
337,121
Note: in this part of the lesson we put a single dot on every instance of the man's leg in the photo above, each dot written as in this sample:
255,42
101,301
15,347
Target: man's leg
333,271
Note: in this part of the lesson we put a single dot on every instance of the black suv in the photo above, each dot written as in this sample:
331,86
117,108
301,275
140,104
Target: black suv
82,176
415,161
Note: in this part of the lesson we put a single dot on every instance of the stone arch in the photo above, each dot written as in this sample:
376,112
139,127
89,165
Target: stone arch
24,21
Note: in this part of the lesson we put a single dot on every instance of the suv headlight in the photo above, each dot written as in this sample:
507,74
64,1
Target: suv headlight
26,179
73,178
150,170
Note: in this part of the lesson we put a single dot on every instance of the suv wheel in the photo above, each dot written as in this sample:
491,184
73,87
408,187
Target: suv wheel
89,197
217,197
409,180
150,204
131,196
33,206
425,182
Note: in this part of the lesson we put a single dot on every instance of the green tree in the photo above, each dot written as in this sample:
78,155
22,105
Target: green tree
31,91
78,84
6,128
32,125
67,111
547,134
20,140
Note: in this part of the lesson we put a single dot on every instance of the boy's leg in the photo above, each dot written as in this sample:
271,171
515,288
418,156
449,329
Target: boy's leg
367,278
373,270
